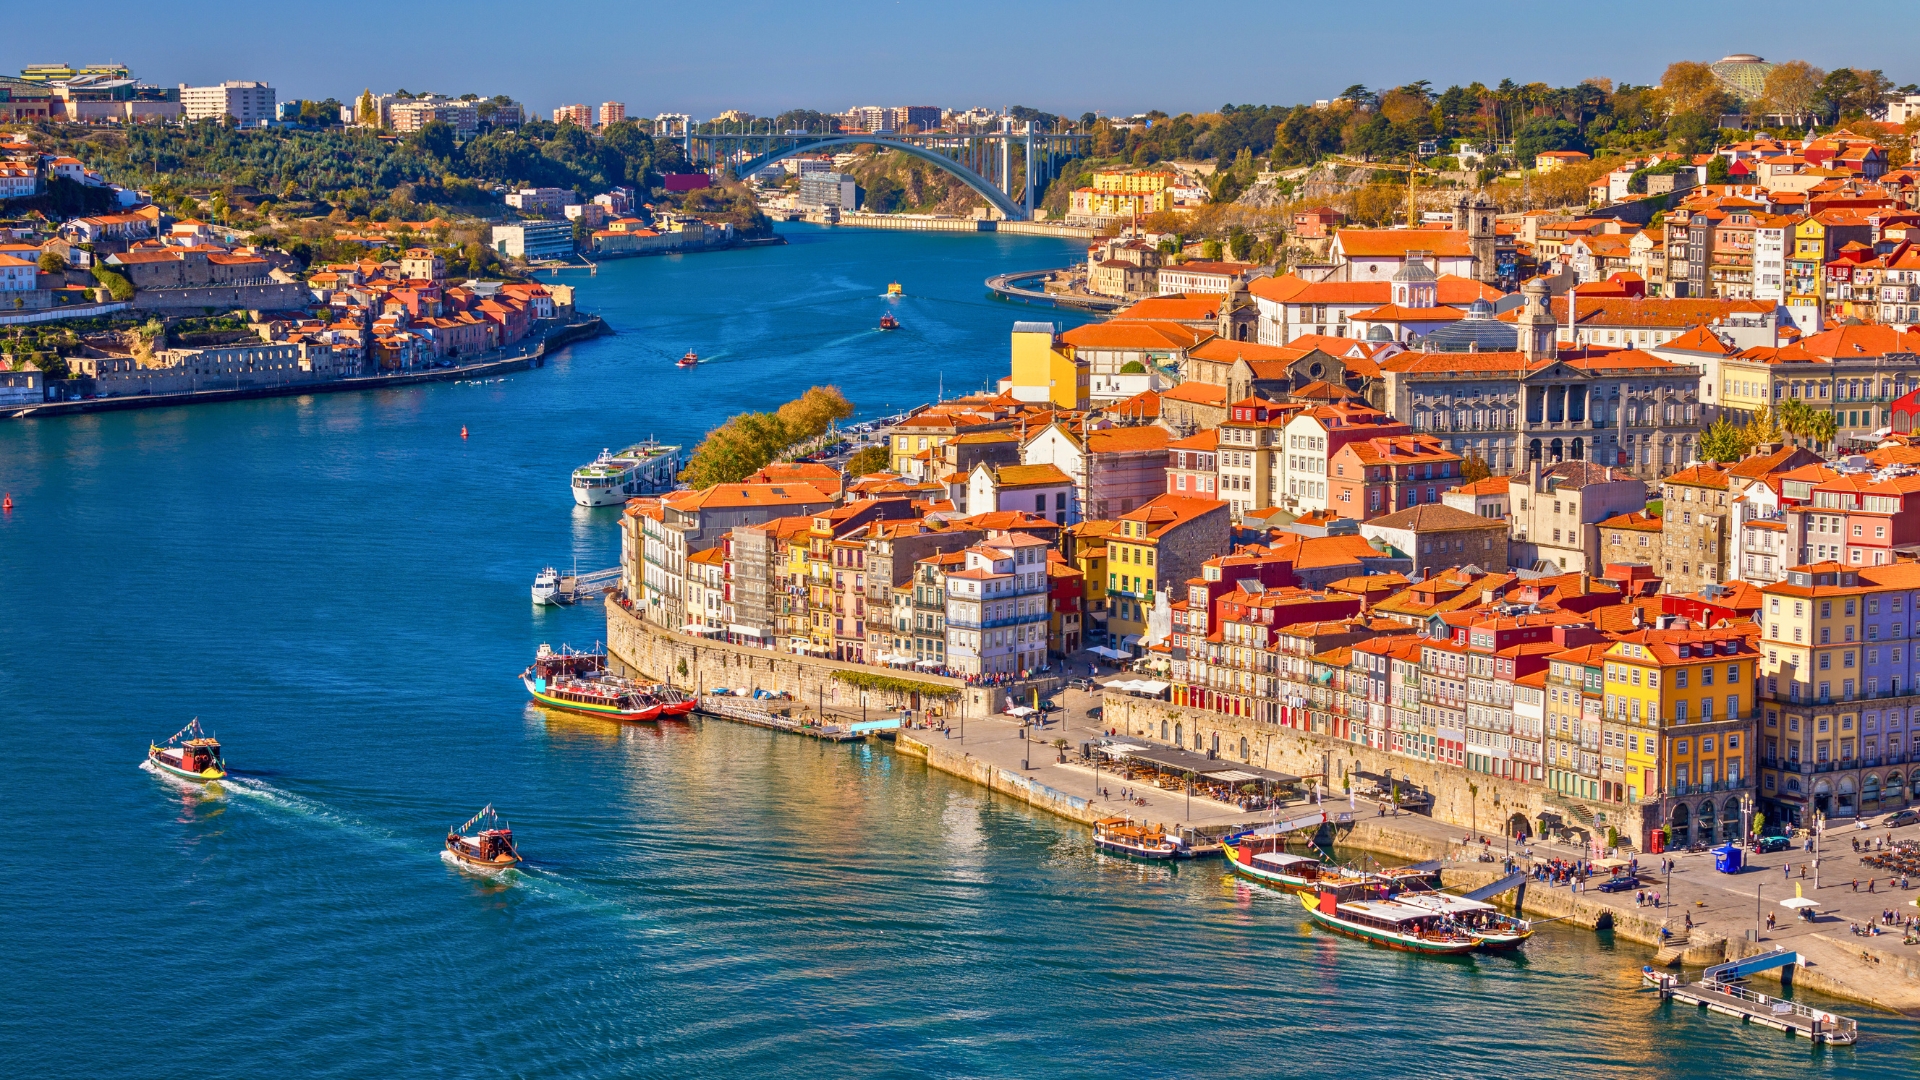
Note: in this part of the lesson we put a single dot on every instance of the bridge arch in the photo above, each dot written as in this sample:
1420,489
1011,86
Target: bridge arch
1001,201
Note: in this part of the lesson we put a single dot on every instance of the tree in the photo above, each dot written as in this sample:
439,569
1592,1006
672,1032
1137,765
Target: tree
1822,426
117,286
1792,90
1693,133
1474,469
1850,91
435,138
1210,250
1723,442
365,111
1763,428
1543,134
52,262
867,460
1690,87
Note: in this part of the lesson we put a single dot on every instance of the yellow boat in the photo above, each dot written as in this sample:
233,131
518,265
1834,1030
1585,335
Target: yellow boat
893,289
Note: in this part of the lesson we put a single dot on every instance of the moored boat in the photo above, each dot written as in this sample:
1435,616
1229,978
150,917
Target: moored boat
491,848
1495,928
191,754
1387,922
611,479
1120,836
546,586
1262,859
579,682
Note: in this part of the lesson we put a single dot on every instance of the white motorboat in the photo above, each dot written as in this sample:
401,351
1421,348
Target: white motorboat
646,468
546,587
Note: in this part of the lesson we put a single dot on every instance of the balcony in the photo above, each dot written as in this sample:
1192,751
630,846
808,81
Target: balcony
1679,790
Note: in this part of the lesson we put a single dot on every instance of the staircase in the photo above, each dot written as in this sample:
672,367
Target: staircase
1669,955
1578,811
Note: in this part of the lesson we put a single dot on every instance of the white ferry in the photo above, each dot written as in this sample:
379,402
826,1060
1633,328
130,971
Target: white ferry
646,468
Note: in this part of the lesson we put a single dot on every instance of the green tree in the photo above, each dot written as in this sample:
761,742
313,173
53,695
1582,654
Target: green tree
1693,133
1723,442
435,139
51,262
867,460
117,286
1210,250
365,111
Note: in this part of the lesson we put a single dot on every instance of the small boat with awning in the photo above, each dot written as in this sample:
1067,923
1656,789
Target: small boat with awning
1121,836
1388,922
484,842
1273,866
191,754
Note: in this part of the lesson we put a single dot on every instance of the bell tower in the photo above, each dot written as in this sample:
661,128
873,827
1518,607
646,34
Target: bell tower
1539,337
1475,217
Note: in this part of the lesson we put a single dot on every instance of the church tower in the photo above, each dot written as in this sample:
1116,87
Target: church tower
1238,317
1474,216
1539,335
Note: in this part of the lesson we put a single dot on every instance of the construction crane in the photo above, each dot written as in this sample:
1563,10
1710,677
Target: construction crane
1412,169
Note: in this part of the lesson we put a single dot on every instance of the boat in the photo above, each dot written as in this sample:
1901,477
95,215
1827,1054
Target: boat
888,322
645,468
1387,922
1495,928
1120,836
197,758
491,848
893,289
546,587
1265,860
580,682
688,360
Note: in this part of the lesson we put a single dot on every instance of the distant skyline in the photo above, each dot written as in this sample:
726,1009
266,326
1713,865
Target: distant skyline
1069,57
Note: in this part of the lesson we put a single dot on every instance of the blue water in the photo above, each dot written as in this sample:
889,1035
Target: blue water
338,586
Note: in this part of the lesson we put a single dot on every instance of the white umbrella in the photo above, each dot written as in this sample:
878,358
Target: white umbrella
1798,902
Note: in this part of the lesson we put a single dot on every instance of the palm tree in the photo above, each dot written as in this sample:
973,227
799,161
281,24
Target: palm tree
1793,416
1822,427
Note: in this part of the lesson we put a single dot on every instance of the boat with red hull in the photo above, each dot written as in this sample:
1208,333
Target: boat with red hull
580,682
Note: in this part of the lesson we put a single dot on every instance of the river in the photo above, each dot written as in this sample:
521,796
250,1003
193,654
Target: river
337,585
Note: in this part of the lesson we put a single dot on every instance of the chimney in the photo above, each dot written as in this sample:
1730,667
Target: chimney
1535,474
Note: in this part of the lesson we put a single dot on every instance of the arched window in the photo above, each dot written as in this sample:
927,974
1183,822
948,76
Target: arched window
1163,731
1216,743
1178,738
1243,748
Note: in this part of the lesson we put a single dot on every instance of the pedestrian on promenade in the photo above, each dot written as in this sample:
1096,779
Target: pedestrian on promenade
1689,918
1856,884
1786,870
1769,921
1870,882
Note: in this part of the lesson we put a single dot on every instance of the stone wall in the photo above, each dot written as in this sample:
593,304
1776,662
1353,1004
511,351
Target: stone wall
995,779
1304,753
639,648
260,297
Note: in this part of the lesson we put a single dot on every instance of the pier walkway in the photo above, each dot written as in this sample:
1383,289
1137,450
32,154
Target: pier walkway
1003,286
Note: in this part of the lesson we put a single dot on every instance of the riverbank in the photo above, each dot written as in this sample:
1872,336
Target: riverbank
520,359
973,741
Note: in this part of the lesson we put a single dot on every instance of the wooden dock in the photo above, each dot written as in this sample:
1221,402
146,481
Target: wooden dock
744,711
1720,990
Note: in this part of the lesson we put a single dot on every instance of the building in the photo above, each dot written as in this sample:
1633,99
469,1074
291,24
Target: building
1042,372
1116,193
580,116
1555,160
1042,490
1154,551
543,200
534,240
1197,277
828,190
1438,537
612,112
1556,513
1697,536
1381,475
248,104
996,611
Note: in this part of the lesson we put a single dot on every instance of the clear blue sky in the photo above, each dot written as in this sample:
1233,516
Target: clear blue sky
1066,56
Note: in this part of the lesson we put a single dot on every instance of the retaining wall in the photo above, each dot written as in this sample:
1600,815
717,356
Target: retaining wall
259,297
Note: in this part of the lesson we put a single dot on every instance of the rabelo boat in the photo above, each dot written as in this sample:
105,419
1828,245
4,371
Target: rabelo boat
1362,911
197,758
490,848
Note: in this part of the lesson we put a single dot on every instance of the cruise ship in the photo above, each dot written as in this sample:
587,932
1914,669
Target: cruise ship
646,468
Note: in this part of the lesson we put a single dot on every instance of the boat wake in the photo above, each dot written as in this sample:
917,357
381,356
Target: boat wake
259,791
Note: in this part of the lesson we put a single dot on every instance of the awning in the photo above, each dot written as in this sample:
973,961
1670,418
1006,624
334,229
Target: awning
1120,749
698,628
1020,710
927,663
754,631
1232,776
1151,687
1169,757
1797,902
1110,654
1247,774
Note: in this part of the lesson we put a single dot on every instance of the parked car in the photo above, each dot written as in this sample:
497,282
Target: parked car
1619,884
1087,685
1903,817
1768,844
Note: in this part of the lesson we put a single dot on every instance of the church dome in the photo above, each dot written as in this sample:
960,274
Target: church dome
1480,309
1379,332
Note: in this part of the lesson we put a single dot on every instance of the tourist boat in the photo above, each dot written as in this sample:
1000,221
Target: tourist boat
579,682
491,848
688,360
673,703
1120,836
197,758
611,479
1495,928
888,322
1265,860
893,289
1388,922
546,587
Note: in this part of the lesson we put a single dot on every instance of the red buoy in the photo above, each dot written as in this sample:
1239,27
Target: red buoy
7,504
463,431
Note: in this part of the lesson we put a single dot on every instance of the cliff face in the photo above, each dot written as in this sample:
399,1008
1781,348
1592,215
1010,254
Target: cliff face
898,183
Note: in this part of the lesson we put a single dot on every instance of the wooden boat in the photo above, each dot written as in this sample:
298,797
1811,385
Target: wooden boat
1265,860
491,848
888,322
672,702
579,682
688,360
1495,928
1387,922
197,758
1120,836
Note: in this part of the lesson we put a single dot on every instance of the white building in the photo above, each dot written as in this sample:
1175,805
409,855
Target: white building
1772,235
828,189
997,607
545,200
246,103
534,239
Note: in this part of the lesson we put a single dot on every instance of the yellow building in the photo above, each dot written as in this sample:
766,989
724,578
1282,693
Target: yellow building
1683,703
1118,193
1085,546
1044,372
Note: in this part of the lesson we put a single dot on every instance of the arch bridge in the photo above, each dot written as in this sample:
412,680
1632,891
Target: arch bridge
1008,168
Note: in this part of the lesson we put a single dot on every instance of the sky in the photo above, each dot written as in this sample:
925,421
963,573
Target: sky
1114,57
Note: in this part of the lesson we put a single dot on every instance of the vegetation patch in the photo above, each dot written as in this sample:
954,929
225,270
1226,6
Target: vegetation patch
894,684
